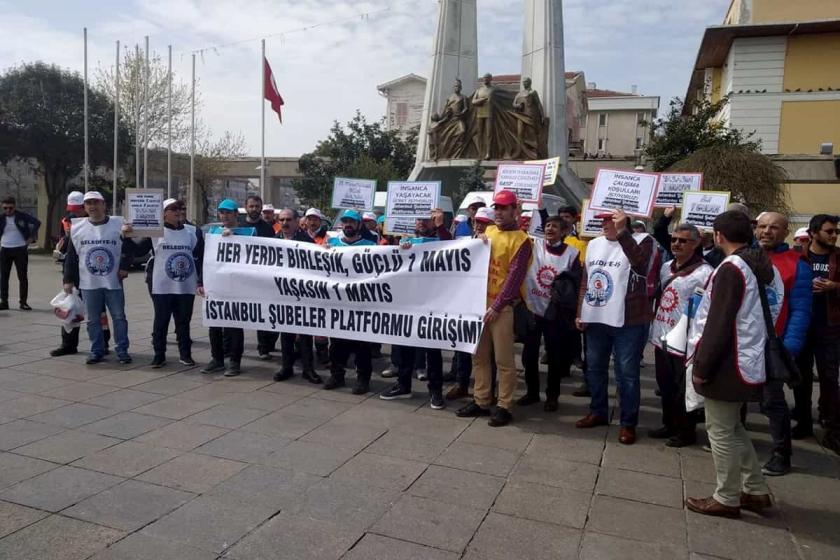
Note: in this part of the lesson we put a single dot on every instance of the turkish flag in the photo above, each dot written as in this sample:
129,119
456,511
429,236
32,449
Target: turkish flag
270,91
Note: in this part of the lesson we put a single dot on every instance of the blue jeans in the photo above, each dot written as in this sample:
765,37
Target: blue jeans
95,303
627,343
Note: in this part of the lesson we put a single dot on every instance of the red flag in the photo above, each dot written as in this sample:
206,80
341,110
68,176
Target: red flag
271,93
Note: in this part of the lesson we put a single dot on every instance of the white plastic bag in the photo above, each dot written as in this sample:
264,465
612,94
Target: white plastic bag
69,308
693,400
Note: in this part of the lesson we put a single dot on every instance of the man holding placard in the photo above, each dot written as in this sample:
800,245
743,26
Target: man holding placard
614,312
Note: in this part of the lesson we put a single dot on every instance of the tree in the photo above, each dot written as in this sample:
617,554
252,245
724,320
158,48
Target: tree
358,149
132,80
42,117
471,179
678,136
211,160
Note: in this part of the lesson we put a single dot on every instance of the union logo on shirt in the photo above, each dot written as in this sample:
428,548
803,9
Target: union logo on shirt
599,288
99,262
179,266
545,276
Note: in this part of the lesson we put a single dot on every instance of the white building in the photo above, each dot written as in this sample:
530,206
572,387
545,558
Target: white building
405,101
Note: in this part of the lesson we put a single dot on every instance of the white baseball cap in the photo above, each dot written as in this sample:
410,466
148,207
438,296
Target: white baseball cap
93,195
460,218
268,207
75,198
169,202
314,212
802,233
485,214
369,216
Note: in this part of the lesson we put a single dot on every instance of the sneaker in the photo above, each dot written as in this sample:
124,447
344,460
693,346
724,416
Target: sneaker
283,375
457,392
213,366
361,387
500,418
421,375
778,465
334,382
93,359
158,362
472,410
186,360
25,307
62,351
395,391
124,359
233,369
802,430
528,399
436,400
388,373
312,377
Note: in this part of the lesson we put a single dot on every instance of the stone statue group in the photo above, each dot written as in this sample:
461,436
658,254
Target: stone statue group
491,124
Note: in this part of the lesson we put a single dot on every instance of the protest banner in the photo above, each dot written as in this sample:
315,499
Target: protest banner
144,211
631,191
356,194
399,227
702,207
412,199
590,226
551,167
523,179
672,186
432,295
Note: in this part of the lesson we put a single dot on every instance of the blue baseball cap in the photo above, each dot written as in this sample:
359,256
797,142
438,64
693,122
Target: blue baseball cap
228,204
351,215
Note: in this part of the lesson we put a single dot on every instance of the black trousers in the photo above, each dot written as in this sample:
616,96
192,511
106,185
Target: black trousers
775,408
266,341
287,351
18,256
178,307
558,346
823,347
340,350
226,340
670,377
462,363
432,360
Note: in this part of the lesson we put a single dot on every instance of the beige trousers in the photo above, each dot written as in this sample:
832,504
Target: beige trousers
496,339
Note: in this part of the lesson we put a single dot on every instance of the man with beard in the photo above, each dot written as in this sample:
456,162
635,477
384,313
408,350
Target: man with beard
289,221
341,348
266,340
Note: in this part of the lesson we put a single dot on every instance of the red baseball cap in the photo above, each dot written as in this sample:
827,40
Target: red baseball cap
504,198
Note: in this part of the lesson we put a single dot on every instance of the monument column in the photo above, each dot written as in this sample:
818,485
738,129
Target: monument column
455,56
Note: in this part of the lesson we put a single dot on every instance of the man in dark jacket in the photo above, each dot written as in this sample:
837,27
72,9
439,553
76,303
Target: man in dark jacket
823,340
17,231
289,221
266,340
791,326
726,353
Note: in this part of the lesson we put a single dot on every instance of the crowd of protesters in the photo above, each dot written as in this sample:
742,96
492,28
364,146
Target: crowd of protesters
724,293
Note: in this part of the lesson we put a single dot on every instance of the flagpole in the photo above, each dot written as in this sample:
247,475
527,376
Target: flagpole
169,127
262,122
116,125
87,160
192,204
146,117
135,70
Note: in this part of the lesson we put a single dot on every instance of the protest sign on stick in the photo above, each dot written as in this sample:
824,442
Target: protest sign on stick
551,167
702,207
399,227
672,186
356,194
144,211
631,191
525,180
590,226
412,199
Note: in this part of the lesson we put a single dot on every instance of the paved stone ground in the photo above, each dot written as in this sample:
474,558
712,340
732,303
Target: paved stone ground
111,462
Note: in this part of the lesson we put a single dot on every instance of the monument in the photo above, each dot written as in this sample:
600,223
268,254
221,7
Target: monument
491,124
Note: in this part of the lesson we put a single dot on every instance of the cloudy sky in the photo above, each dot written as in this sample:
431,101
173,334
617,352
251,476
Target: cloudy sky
332,68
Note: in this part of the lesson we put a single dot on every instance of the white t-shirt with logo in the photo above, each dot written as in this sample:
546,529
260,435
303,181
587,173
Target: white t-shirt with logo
99,248
174,269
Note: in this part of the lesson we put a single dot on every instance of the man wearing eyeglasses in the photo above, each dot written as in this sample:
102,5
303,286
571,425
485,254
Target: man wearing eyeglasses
18,230
679,278
823,341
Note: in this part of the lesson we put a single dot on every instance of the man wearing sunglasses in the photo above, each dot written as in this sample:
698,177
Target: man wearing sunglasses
679,278
17,231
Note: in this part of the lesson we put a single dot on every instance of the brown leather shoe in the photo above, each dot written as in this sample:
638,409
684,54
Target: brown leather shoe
710,506
457,392
755,502
591,421
627,435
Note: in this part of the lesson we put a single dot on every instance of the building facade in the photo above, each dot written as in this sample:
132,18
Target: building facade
617,124
779,63
404,102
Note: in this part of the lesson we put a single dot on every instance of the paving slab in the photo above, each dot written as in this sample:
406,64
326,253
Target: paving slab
597,546
21,432
641,487
354,437
555,472
57,538
501,537
138,546
742,539
352,504
127,459
14,517
646,522
309,457
67,446
457,487
285,425
244,446
544,503
269,487
192,472
125,399
378,547
391,473
227,416
14,468
478,458
126,425
175,408
182,435
59,488
648,456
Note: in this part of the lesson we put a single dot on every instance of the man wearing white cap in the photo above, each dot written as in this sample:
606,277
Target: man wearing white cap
314,226
175,278
369,221
801,240
270,217
97,264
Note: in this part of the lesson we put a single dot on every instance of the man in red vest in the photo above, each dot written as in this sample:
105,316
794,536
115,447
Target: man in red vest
791,326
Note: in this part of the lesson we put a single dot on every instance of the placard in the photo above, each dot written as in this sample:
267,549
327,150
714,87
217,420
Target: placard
551,167
412,199
702,207
431,295
669,192
525,180
631,191
399,227
356,194
144,211
590,226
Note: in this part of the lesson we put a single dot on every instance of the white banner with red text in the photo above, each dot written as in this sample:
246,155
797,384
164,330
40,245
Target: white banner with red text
432,295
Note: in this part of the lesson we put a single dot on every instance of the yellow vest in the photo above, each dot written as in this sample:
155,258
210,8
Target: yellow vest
503,247
579,244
